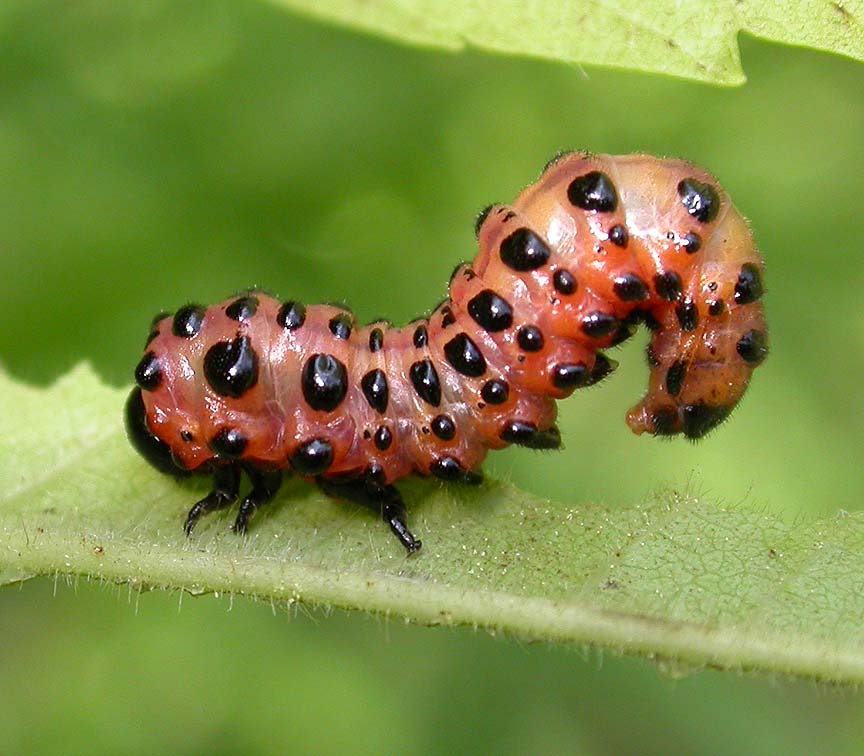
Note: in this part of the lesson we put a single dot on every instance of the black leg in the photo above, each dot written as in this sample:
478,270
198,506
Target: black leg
265,484
385,499
226,484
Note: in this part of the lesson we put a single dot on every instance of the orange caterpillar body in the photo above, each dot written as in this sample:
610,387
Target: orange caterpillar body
598,244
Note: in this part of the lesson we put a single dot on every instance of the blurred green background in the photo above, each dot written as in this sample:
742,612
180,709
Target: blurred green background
155,153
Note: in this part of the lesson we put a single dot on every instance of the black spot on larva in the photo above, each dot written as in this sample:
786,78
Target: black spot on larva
291,315
148,373
701,418
716,307
525,434
530,338
675,376
313,457
630,288
664,421
421,336
231,367
481,216
593,191
242,309
691,242
187,321
383,438
495,391
228,443
699,199
444,427
603,366
447,468
153,449
187,436
447,317
668,286
564,282
749,285
570,375
340,326
688,315
324,382
618,235
375,389
425,380
752,347
523,250
599,324
491,312
464,356
376,339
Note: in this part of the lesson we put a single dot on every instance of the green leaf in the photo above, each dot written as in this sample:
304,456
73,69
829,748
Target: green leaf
674,579
690,40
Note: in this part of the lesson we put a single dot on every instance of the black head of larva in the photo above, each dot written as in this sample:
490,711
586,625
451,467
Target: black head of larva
593,191
153,449
699,199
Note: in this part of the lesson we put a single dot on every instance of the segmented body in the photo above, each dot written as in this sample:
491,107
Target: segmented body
596,245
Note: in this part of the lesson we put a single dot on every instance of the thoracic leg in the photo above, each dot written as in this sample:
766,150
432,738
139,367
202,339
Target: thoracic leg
386,499
265,485
226,485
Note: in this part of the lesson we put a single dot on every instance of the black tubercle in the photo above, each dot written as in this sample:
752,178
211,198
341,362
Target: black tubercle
375,389
619,236
462,353
530,338
569,375
187,321
444,427
425,380
490,311
525,434
630,288
324,382
313,457
753,347
231,367
481,216
421,336
340,326
447,468
148,373
523,250
228,443
383,438
699,199
701,418
668,286
495,391
242,309
688,315
675,376
593,191
716,307
598,324
376,339
291,315
748,288
564,282
691,242
154,450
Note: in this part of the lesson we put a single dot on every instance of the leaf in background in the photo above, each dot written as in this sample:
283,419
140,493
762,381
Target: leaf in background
675,579
690,40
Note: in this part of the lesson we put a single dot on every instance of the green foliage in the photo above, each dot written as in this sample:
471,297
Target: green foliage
674,579
690,40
